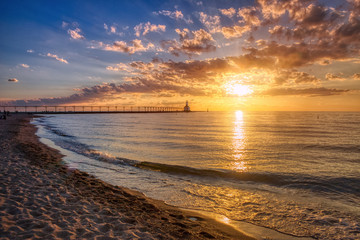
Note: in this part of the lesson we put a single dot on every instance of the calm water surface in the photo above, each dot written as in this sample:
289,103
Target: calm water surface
294,172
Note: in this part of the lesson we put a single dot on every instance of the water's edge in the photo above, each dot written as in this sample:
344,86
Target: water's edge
249,229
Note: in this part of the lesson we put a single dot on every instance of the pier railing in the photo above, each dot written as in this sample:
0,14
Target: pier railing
89,109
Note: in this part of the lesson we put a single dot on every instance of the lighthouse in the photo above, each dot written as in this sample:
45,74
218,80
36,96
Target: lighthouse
187,108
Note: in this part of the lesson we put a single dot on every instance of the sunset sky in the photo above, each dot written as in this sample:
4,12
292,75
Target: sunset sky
222,55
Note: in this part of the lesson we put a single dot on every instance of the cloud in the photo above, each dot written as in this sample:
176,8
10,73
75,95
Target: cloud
248,61
209,75
324,29
57,58
333,77
272,10
356,76
24,65
191,43
249,22
230,12
112,30
212,23
301,54
145,28
119,67
12,80
108,91
249,16
215,70
30,51
312,92
194,77
76,34
169,78
177,15
189,78
294,77
121,46
235,31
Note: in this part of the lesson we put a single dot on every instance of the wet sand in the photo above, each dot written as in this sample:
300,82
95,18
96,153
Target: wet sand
40,198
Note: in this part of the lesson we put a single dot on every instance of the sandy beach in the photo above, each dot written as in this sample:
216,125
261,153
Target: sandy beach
40,198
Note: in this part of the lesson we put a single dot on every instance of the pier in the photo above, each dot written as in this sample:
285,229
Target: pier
89,109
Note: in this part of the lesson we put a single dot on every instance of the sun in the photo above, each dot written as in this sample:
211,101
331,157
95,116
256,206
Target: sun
238,89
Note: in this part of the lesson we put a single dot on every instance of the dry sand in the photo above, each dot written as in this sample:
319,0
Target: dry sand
40,198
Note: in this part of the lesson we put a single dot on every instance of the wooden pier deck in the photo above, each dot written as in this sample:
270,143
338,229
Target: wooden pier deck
89,109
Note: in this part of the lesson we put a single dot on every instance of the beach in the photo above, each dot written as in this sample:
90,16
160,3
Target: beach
41,198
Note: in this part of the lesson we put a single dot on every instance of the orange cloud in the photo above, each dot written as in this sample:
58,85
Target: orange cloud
145,28
230,12
57,58
333,77
178,15
212,23
121,46
356,76
249,16
235,31
24,65
190,43
285,77
76,34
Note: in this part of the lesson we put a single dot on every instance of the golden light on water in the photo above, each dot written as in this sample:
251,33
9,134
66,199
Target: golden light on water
239,141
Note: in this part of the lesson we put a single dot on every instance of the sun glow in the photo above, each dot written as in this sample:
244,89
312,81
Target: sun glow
238,89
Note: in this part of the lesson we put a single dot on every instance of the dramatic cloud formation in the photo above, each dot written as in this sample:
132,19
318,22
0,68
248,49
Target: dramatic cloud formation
207,76
145,28
13,80
121,46
76,34
57,58
194,42
302,48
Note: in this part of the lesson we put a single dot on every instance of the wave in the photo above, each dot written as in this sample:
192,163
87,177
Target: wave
224,174
324,184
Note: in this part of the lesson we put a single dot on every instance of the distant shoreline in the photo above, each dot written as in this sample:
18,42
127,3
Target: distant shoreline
41,197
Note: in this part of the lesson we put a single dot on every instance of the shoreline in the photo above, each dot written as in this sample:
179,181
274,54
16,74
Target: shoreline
41,198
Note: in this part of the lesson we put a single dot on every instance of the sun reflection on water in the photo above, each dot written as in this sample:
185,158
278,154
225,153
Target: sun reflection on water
239,141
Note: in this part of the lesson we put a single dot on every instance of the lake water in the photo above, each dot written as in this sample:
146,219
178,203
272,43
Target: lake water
294,172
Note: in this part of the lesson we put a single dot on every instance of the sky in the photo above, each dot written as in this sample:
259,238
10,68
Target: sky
268,55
